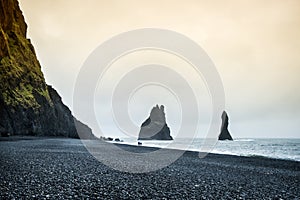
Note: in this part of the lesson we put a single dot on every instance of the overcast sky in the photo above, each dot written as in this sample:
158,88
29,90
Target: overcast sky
254,45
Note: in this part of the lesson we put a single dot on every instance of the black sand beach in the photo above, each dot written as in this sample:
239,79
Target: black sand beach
63,168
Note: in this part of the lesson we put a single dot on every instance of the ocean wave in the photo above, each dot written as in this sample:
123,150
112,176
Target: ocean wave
244,140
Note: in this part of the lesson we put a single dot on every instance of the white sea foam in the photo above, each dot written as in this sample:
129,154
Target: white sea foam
288,149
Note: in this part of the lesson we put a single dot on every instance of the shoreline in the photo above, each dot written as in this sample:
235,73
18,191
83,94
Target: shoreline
215,154
19,138
219,153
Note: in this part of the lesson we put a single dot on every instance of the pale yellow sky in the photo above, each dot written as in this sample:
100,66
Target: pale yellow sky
254,44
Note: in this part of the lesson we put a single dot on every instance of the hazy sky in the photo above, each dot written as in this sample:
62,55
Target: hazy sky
255,46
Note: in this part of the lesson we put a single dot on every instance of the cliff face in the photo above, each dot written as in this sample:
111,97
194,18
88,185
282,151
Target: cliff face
155,126
28,106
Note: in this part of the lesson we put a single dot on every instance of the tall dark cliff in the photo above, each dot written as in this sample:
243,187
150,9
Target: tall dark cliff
28,106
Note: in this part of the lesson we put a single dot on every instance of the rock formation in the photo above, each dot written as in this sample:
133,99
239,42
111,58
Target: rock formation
155,127
28,106
224,135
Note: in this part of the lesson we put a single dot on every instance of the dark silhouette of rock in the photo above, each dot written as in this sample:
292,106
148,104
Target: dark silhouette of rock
108,138
28,106
225,135
118,140
155,127
83,131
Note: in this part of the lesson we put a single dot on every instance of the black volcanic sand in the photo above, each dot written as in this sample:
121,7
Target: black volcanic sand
63,168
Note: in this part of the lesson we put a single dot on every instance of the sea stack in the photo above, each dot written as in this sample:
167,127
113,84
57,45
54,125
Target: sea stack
155,126
225,135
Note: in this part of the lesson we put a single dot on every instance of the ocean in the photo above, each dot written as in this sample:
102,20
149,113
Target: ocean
288,149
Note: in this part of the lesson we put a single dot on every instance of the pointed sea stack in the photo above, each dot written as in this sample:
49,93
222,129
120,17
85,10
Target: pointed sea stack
155,127
225,135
